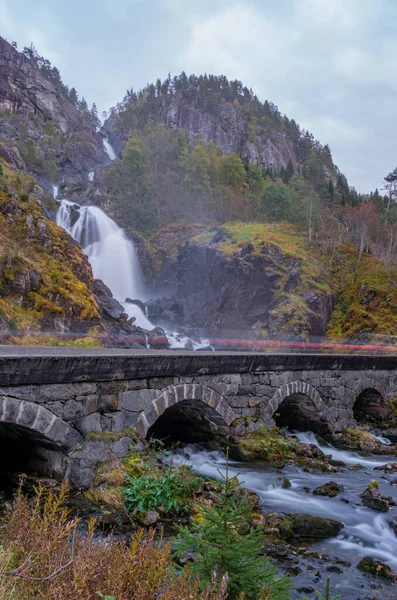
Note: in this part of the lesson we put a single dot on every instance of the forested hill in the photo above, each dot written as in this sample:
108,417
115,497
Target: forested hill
230,116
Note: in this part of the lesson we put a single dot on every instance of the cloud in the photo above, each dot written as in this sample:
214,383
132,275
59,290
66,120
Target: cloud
323,62
329,64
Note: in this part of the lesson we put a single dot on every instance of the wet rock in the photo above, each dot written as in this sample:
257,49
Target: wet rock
330,489
377,568
372,498
277,525
388,468
284,482
150,518
137,302
334,569
309,451
315,527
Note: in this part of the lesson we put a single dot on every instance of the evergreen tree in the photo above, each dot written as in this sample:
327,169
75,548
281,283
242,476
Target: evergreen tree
224,541
275,202
94,116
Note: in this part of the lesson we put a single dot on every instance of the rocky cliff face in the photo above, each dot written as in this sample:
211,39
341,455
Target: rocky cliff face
249,278
216,120
42,131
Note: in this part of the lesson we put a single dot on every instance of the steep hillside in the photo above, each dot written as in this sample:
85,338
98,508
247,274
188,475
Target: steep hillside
46,282
44,128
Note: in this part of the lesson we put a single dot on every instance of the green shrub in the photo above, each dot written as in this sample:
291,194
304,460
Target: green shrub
223,541
173,491
24,197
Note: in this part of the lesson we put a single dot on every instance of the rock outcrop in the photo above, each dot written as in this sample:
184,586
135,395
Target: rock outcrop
237,277
217,120
43,131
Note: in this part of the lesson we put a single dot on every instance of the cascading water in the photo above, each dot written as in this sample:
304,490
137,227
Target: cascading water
91,176
109,149
349,458
55,191
112,256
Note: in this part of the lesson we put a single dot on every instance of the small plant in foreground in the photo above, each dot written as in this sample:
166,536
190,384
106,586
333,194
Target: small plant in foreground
172,490
327,592
223,540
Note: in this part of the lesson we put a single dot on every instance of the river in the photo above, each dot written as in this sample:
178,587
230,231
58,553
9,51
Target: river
365,533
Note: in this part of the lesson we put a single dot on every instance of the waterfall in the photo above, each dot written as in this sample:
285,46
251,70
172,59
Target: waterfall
55,190
91,176
112,255
109,149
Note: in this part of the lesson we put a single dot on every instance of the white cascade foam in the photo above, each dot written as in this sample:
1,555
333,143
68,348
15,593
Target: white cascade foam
55,191
91,176
109,149
112,256
349,458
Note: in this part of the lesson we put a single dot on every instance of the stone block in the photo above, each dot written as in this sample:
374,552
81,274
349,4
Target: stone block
247,390
137,400
238,402
108,402
58,391
248,412
246,378
136,384
90,403
111,387
55,407
160,383
89,424
22,392
117,421
72,411
262,378
85,388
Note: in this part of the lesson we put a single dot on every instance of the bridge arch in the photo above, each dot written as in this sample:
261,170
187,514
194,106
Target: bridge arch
369,402
297,405
182,398
33,439
36,418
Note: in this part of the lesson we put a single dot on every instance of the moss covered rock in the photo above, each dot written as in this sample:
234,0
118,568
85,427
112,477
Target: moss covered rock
377,568
308,526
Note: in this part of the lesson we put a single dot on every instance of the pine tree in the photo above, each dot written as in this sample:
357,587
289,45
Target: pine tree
223,541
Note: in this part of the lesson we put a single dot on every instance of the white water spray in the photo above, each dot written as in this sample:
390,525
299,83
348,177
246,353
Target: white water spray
109,149
349,458
55,191
91,176
112,256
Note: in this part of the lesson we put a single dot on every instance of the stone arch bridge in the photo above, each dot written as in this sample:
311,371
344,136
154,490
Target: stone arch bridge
62,410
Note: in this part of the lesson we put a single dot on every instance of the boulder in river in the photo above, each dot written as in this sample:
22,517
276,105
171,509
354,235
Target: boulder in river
377,568
372,498
330,489
388,468
309,526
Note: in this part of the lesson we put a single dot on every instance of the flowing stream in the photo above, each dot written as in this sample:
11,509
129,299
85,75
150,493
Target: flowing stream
365,533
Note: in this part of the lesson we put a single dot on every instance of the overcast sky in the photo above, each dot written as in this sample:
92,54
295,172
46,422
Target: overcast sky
329,64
